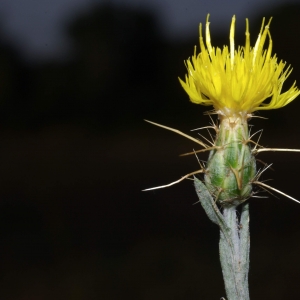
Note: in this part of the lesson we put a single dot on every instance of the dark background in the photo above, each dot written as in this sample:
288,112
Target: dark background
75,154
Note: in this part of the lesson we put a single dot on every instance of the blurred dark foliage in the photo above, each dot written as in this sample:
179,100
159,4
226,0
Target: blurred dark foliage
76,153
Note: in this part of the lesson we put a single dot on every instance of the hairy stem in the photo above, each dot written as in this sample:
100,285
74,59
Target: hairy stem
234,253
234,242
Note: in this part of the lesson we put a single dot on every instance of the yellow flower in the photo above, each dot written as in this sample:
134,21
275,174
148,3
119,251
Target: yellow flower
238,81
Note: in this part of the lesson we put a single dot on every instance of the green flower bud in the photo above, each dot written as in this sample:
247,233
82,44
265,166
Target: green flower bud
231,166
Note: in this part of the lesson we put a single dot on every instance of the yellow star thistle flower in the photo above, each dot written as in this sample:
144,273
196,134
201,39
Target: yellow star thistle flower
238,81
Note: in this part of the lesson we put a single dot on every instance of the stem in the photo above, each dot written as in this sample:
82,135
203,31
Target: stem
234,253
234,242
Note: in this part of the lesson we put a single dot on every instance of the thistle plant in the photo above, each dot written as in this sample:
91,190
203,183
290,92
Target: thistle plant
236,82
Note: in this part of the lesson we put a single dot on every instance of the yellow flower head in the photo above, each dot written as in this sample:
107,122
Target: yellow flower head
238,80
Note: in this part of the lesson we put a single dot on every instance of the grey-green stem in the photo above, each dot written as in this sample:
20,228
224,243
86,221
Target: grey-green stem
234,242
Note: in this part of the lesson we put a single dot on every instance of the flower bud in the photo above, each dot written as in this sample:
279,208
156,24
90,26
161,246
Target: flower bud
231,166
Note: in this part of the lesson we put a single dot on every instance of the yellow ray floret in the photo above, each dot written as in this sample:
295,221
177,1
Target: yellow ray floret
238,80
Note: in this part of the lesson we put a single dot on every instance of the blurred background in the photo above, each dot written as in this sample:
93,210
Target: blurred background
77,78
